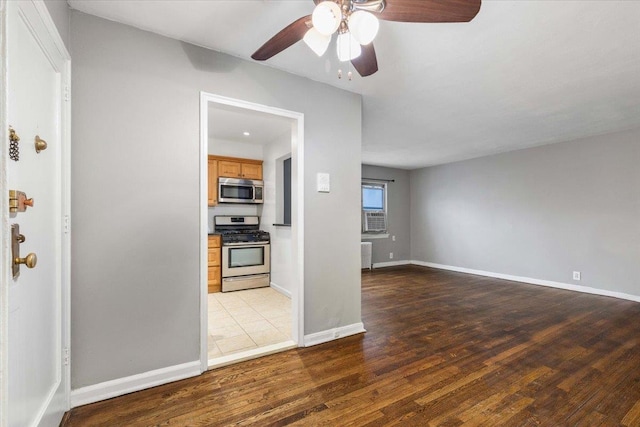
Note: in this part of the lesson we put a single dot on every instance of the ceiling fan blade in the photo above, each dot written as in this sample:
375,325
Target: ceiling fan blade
430,10
288,36
367,63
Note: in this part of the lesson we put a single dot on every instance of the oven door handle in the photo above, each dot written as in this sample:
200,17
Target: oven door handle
245,244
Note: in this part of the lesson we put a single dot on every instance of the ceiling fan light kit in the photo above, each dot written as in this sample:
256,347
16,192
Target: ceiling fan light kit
364,26
347,46
317,42
326,17
356,22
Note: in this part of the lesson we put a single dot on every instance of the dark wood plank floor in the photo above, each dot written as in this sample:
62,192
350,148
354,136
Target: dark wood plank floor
442,348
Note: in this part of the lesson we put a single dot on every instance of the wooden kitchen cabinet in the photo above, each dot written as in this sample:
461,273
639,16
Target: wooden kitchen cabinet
251,171
212,197
241,168
230,169
214,279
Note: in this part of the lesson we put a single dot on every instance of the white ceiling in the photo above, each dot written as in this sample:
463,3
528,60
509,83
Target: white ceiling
521,74
228,123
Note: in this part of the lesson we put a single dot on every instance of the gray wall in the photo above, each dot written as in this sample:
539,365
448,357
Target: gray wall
60,13
398,219
135,179
539,213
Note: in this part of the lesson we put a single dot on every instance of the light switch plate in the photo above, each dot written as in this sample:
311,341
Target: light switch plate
323,182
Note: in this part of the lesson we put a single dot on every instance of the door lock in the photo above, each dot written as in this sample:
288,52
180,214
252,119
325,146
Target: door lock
18,201
30,260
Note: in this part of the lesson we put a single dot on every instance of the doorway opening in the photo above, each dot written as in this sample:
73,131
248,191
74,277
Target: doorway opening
244,141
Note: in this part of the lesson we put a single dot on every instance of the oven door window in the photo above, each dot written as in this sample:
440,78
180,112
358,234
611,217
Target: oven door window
246,257
244,192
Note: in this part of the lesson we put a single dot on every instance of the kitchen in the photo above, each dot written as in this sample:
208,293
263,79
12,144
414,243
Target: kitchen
249,245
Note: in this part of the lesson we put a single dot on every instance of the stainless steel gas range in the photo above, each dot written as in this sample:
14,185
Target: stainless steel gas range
246,252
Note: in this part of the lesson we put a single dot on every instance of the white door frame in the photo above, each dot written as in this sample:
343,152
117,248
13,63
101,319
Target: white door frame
45,31
297,228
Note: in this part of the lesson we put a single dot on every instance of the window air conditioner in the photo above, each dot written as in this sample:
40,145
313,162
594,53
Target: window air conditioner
375,221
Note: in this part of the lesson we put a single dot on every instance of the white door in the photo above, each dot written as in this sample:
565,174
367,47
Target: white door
36,79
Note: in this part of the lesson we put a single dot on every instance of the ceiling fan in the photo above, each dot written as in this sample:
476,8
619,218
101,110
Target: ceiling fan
356,23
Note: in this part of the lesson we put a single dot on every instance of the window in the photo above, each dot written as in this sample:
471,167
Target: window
286,175
374,207
372,197
283,190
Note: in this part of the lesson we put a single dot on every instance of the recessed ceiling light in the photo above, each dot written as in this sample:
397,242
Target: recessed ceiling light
245,133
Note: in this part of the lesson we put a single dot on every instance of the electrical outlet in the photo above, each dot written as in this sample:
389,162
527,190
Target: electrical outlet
576,275
390,255
393,238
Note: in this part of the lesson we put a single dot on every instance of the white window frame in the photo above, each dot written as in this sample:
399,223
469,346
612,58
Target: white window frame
385,187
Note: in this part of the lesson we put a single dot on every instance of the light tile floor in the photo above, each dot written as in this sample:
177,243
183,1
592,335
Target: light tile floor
244,320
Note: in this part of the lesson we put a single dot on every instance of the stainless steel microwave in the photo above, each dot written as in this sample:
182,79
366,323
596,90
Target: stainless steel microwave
234,190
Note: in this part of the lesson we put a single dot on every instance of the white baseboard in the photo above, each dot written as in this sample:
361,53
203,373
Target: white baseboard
120,386
333,334
531,281
282,290
390,264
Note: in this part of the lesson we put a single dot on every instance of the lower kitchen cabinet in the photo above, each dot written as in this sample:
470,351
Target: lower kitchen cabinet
214,281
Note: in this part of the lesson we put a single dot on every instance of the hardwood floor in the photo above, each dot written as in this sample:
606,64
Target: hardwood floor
442,348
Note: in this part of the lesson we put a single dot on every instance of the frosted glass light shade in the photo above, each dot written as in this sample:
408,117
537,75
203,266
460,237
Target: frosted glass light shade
316,41
348,48
363,26
326,17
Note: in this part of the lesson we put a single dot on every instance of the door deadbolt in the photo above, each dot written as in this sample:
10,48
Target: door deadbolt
30,260
18,201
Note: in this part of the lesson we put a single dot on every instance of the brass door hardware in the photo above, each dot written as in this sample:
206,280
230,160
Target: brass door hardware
18,201
30,260
14,149
41,144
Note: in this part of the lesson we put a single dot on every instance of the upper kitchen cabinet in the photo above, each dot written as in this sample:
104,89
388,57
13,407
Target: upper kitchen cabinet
212,197
251,170
240,168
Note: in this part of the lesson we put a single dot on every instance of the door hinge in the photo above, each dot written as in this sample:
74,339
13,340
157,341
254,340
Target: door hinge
66,224
65,356
67,93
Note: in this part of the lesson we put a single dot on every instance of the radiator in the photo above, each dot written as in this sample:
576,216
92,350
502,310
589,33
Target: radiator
365,253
